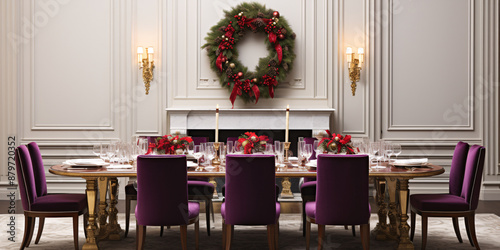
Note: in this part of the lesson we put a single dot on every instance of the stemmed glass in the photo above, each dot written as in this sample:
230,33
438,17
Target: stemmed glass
190,148
269,149
209,154
396,149
96,149
389,150
198,153
110,152
316,148
376,151
230,147
307,151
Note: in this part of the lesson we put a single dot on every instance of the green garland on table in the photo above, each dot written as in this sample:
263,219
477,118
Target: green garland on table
221,41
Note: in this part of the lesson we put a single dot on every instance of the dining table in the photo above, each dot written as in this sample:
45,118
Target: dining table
392,180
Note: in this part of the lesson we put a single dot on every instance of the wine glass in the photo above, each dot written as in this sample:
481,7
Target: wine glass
307,151
96,149
316,148
269,149
376,152
143,146
190,148
230,147
396,149
110,152
209,154
389,150
300,148
198,153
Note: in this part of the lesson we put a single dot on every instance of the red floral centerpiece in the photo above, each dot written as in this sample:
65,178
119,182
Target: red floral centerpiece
252,142
336,143
169,144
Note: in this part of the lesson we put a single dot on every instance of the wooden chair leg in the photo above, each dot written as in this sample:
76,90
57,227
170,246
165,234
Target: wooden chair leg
346,227
184,237
412,225
141,236
276,235
303,218
127,214
223,235
424,231
207,214
321,235
31,231
229,235
471,230
271,228
27,225
354,230
197,234
457,229
161,231
85,223
41,222
365,235
75,231
308,234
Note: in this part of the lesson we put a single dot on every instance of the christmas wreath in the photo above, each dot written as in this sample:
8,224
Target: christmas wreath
221,41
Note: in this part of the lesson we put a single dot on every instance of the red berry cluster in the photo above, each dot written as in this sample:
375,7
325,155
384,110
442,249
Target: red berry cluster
271,28
246,86
228,44
269,81
241,20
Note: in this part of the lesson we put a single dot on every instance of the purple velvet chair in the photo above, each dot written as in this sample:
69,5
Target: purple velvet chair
341,196
199,189
461,201
157,205
247,203
36,201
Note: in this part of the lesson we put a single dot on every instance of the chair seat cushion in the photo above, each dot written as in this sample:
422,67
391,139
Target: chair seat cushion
130,189
309,179
438,202
308,190
60,202
223,210
194,209
311,212
200,190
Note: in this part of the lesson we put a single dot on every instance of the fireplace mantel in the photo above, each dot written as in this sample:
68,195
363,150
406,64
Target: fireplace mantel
182,119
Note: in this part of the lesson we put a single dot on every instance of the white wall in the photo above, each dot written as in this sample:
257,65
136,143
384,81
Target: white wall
69,74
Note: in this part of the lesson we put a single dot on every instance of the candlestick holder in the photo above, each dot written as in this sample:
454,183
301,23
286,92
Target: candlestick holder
216,159
287,147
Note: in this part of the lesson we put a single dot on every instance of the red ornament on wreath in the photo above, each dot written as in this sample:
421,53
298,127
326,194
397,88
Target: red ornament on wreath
221,40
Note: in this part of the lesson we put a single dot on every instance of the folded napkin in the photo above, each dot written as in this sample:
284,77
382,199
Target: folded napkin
191,164
119,166
86,162
411,161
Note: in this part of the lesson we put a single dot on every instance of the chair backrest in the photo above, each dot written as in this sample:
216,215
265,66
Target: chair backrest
458,168
25,177
38,169
162,196
250,190
342,190
233,139
473,175
199,140
310,141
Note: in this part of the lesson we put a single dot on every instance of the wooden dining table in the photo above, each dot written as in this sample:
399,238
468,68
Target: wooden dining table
103,223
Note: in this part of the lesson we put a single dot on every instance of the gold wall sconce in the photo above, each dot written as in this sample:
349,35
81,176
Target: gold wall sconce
354,66
147,65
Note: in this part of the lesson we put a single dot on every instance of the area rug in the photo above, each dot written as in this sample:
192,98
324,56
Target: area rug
57,235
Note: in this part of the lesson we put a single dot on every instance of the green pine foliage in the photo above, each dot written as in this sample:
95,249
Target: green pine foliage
250,10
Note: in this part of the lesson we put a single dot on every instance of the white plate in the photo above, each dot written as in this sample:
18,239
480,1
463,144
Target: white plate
191,164
119,166
209,168
86,162
293,158
311,165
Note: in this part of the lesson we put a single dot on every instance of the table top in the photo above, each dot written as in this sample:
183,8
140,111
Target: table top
292,171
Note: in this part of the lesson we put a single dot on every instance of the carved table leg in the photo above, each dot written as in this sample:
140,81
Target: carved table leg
404,228
102,213
393,208
212,180
114,229
381,231
286,191
92,229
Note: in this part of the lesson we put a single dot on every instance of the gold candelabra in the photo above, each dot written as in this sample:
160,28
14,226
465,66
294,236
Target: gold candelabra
354,66
287,147
216,159
147,64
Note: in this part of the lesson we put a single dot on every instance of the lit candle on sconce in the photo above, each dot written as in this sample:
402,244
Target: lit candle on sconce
348,52
140,52
361,55
150,54
287,121
217,123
